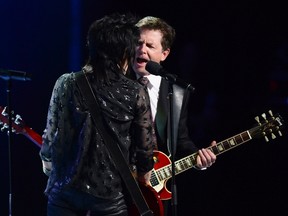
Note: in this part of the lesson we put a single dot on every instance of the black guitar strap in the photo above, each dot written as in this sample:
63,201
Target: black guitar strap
115,150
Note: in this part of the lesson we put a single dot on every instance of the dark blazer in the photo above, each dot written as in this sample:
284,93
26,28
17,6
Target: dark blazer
179,108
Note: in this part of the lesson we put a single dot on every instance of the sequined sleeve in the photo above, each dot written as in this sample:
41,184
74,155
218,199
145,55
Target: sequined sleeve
51,129
142,128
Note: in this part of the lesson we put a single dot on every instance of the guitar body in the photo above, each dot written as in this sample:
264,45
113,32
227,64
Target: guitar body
153,200
161,160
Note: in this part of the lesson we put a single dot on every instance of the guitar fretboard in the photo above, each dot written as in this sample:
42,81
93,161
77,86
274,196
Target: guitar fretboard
190,161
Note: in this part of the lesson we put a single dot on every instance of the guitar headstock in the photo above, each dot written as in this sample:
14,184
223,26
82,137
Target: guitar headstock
268,126
17,124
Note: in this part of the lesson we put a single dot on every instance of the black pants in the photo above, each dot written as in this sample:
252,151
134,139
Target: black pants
71,202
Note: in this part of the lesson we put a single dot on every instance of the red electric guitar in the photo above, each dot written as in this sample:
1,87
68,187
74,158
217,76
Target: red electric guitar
18,126
266,127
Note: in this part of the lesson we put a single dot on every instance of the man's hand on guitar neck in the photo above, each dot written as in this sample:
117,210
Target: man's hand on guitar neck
205,157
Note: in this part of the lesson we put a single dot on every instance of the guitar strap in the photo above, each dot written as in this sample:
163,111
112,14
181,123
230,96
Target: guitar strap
115,150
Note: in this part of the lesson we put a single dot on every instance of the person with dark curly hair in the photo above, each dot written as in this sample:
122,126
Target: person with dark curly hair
83,178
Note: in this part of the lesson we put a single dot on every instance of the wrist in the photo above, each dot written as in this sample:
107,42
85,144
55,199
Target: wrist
198,168
46,171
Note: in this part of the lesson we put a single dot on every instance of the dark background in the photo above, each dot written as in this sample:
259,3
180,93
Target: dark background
234,53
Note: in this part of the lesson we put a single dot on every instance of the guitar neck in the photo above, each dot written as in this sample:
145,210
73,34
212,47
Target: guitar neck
33,136
190,160
230,143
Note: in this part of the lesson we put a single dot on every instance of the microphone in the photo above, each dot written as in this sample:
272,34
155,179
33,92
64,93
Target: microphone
14,75
156,69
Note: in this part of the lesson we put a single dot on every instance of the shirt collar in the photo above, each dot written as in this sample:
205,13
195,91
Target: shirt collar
154,80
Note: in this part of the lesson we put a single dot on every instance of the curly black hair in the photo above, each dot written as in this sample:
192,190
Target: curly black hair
111,41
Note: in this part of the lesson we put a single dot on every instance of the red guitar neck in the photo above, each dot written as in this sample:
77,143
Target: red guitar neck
33,136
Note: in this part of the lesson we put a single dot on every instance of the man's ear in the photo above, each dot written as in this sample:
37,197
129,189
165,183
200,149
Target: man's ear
165,53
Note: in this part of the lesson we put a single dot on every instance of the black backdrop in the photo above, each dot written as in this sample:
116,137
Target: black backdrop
235,54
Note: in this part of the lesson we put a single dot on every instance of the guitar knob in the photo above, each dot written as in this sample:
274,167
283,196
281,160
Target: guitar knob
5,126
18,117
4,112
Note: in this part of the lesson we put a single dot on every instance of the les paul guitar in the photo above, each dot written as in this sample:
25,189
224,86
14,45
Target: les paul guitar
267,126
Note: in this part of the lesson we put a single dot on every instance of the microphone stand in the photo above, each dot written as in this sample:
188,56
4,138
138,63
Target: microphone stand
9,75
156,69
172,147
9,84
172,134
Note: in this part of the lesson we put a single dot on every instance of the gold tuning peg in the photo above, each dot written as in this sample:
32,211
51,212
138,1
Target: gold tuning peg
270,113
257,119
264,116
